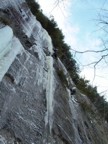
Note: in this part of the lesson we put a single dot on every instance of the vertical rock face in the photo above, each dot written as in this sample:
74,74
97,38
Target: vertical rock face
36,106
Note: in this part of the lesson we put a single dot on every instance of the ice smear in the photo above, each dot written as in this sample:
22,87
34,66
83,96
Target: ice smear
73,107
63,68
2,140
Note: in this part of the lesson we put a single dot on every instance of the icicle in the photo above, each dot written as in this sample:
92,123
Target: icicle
9,48
49,93
6,35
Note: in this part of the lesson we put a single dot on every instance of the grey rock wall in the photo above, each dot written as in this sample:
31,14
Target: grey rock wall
28,115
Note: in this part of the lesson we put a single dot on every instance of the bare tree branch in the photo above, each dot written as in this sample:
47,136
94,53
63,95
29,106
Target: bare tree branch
56,3
90,51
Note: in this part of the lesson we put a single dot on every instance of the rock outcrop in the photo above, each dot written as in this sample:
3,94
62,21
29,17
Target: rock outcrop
36,105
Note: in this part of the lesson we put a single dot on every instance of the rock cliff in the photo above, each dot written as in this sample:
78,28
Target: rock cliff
36,106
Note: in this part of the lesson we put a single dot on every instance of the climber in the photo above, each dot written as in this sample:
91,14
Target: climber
54,55
73,91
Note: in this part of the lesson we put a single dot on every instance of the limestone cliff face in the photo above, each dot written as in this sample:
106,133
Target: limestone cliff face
36,106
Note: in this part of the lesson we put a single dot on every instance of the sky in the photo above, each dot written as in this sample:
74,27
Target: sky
79,21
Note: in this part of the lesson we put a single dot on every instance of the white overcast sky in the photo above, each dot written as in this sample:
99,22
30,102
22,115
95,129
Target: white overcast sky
78,20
